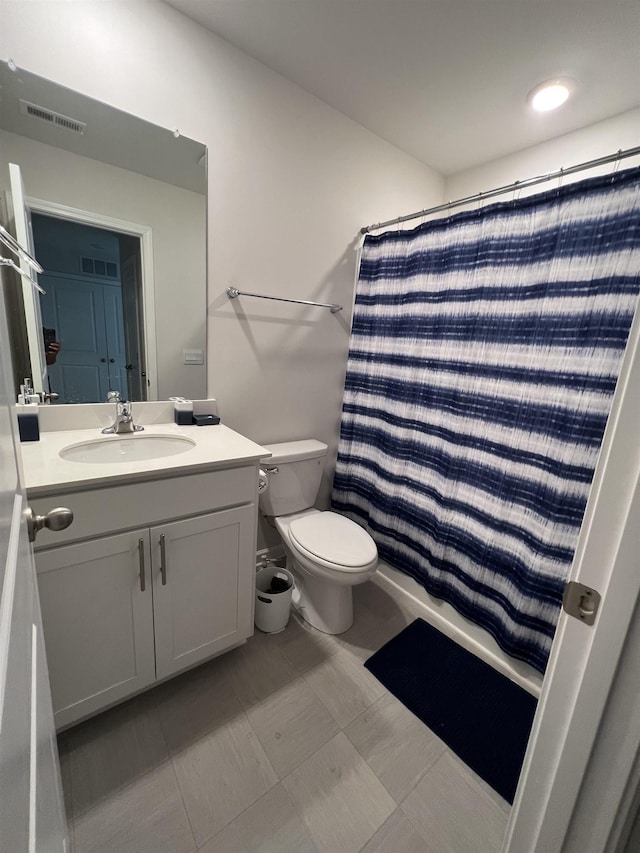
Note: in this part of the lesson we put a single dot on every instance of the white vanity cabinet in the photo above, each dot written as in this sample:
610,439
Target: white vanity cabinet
122,610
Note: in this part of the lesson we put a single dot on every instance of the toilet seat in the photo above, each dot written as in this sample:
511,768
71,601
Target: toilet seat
334,541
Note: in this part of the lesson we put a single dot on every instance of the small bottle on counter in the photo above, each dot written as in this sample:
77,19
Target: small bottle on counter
27,394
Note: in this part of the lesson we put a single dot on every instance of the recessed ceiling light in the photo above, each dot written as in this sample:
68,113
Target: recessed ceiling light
549,95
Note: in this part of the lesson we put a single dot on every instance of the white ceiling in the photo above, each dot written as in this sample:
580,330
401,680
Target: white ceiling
444,80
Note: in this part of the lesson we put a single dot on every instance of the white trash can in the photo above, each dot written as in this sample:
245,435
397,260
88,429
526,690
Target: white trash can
272,608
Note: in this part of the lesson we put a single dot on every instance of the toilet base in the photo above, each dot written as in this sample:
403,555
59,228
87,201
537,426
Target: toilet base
325,606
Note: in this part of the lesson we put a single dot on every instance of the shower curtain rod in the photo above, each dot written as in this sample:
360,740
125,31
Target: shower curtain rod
516,185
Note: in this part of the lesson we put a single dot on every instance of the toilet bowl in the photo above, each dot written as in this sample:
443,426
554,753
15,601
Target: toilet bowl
327,553
330,555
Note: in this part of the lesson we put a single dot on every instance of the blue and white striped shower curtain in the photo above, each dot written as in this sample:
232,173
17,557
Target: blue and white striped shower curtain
484,354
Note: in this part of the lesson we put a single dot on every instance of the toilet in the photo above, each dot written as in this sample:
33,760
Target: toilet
328,553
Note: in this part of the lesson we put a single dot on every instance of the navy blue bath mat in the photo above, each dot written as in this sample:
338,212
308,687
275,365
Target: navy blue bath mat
481,715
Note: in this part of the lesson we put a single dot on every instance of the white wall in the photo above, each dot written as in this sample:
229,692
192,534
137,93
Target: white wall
176,218
591,142
291,181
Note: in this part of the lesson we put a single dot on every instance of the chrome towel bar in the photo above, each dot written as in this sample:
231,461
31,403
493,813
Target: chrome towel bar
7,262
11,243
233,292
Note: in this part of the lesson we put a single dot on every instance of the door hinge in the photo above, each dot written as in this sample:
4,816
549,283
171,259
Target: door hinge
581,602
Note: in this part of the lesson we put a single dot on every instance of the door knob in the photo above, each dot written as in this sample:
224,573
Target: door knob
103,360
56,519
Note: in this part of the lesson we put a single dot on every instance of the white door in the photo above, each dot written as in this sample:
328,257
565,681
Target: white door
74,307
579,768
88,320
31,810
20,215
116,343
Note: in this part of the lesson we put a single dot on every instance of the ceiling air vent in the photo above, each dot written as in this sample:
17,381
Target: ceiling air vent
57,119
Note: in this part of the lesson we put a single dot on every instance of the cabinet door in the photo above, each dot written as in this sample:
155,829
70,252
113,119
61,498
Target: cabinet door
203,591
98,622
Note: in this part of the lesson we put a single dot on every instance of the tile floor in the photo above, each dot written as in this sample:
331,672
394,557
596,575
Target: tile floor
285,744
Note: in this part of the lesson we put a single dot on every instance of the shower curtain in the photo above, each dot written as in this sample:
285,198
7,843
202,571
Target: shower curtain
484,354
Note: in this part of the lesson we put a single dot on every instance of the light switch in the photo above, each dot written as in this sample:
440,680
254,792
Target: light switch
193,356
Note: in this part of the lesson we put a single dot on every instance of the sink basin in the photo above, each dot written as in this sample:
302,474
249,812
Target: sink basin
126,449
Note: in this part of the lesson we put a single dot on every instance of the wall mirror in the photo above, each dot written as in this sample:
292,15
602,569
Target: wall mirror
114,209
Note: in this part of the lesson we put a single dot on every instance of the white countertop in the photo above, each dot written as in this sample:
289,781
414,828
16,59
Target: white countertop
46,473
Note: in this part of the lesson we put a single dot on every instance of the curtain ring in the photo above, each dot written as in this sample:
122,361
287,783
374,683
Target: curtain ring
480,202
560,178
516,189
616,165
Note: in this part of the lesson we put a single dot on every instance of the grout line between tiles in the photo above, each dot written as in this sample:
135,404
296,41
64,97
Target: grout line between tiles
184,805
246,809
427,848
222,828
175,775
422,775
306,758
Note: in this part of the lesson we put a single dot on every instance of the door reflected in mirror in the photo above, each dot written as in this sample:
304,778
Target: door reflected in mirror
91,311
115,208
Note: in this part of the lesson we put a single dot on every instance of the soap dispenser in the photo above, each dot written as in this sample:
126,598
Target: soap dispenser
27,394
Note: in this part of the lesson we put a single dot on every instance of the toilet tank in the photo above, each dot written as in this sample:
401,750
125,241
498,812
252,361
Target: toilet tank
295,486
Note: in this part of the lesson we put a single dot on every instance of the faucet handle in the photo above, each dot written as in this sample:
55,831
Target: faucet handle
113,396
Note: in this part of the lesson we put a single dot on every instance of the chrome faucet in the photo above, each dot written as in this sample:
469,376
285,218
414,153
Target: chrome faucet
124,416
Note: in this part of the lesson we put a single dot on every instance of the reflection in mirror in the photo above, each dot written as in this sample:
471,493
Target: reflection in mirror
107,353
114,208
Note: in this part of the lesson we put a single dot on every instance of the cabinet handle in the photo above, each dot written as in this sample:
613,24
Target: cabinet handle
163,561
143,586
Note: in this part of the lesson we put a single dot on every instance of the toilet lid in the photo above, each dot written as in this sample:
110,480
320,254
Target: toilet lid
334,539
